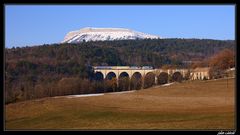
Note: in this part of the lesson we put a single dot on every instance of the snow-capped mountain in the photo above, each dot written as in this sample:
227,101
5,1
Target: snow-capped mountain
102,34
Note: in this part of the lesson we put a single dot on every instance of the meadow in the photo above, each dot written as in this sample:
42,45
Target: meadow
190,105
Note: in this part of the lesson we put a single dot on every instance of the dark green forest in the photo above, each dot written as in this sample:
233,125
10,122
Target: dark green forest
62,69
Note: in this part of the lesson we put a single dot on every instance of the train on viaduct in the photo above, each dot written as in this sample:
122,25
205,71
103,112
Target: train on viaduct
108,72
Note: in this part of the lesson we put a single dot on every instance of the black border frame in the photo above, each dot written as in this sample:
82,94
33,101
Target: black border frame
53,2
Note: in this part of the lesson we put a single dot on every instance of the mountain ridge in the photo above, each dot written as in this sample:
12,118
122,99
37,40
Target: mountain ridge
103,34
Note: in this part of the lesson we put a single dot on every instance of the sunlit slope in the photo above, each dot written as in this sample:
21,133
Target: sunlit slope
188,105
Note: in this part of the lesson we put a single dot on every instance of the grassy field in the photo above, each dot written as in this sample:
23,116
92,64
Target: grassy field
196,105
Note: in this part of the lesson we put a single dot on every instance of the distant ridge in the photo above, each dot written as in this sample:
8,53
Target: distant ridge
103,34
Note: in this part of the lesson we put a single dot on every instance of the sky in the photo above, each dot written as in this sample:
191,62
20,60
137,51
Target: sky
29,25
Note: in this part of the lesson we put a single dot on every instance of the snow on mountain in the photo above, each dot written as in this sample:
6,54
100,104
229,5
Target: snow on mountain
102,34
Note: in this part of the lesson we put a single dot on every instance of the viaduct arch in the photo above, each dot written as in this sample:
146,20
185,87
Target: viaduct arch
119,71
198,73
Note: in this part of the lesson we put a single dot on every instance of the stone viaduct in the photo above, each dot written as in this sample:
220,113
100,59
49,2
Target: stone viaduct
117,71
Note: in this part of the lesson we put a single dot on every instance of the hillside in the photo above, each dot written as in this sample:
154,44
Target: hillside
197,105
41,68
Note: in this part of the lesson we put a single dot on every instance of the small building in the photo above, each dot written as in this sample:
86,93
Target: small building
200,73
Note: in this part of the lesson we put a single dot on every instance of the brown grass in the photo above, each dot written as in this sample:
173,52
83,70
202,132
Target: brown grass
197,105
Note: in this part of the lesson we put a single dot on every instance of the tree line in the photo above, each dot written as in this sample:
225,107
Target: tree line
62,69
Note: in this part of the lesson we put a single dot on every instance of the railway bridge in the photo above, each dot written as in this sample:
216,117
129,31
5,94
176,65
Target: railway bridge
160,76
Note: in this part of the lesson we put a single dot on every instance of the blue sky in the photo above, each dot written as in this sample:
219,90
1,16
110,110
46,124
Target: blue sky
27,25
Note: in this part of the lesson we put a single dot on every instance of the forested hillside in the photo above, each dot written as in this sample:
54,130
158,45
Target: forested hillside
45,70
